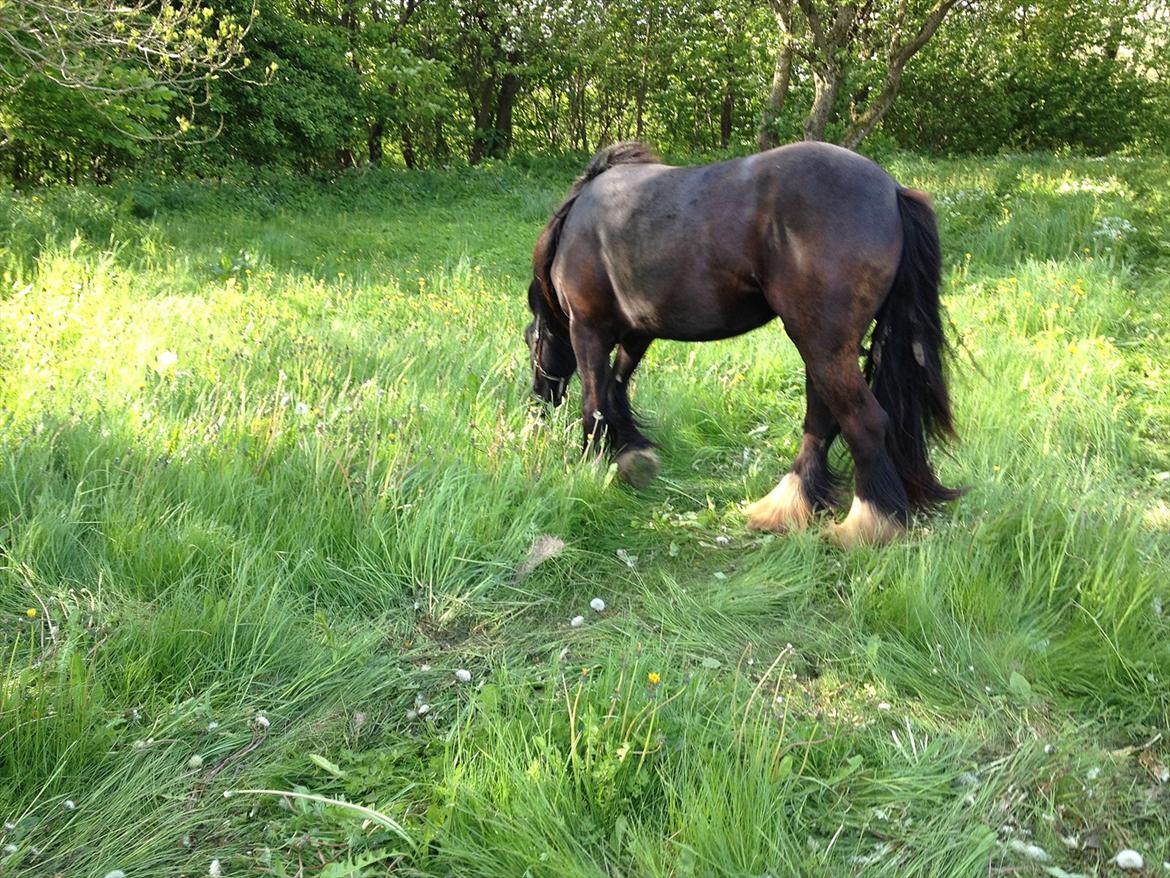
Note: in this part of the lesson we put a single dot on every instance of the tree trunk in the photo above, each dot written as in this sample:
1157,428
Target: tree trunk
726,116
781,78
482,119
864,124
374,142
826,82
502,135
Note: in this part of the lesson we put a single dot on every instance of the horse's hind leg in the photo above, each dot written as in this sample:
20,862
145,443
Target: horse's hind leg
637,462
809,485
880,506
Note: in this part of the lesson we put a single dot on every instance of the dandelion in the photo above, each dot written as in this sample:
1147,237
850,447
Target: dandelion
598,604
463,676
166,360
69,805
212,726
424,709
31,612
261,722
195,762
577,621
653,678
302,409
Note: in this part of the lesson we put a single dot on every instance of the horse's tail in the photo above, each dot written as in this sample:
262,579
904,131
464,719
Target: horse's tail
904,364
626,153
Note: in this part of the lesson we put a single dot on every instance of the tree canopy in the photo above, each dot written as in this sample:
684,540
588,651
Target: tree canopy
327,84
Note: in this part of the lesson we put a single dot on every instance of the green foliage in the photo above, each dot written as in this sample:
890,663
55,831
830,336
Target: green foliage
1073,74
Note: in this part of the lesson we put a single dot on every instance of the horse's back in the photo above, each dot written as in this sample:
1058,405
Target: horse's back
691,252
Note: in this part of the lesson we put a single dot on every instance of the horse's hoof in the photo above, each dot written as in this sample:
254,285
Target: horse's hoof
638,466
784,509
865,525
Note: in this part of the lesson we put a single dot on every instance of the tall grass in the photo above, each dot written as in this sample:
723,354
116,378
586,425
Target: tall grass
270,470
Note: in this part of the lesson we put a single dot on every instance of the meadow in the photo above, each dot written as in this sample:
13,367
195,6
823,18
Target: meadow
270,476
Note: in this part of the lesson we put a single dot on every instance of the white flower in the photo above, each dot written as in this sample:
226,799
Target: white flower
577,621
214,870
463,676
1031,851
1129,860
597,604
69,804
302,409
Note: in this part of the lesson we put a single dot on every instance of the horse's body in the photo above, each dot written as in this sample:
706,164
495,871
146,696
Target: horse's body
814,234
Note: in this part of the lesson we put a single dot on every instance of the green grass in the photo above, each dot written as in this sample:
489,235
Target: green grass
268,451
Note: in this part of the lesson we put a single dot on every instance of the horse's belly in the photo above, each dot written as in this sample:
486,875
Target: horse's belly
695,316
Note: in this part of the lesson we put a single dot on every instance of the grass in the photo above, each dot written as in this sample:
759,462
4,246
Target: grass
268,452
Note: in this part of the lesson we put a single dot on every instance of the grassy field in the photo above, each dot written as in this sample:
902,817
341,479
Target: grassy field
270,470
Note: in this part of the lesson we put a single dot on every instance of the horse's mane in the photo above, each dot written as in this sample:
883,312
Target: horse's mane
629,152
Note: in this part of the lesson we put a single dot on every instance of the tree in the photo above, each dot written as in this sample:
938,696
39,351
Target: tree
831,37
118,48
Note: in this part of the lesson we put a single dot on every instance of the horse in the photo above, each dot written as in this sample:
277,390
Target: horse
814,234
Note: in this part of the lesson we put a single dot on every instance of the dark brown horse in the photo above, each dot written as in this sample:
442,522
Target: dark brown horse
814,234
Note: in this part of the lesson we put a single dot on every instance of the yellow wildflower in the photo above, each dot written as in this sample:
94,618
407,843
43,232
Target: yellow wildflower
654,678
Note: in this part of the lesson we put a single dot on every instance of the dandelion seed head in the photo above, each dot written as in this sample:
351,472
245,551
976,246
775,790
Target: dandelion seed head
261,721
69,805
302,409
212,726
463,675
598,604
215,870
195,762
577,621
116,873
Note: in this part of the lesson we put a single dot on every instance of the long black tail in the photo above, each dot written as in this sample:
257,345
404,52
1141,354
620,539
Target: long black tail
905,361
626,153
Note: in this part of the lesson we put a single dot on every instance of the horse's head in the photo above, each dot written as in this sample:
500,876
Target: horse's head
550,354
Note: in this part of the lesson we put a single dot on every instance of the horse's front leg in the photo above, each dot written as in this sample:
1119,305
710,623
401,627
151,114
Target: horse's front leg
592,348
637,462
